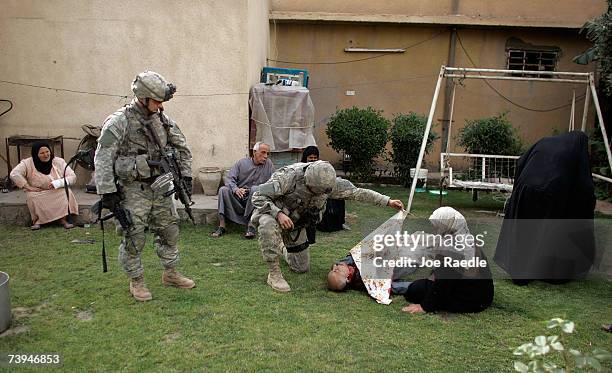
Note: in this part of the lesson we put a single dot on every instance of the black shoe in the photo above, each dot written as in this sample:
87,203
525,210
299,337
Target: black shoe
219,232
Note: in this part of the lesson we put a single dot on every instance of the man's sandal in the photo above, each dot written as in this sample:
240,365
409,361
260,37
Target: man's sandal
607,328
250,233
219,232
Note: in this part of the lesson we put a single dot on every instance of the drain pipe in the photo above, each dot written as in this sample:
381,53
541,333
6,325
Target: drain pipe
448,91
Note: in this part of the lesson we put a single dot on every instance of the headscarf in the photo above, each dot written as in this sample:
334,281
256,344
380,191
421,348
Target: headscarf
448,221
309,151
42,167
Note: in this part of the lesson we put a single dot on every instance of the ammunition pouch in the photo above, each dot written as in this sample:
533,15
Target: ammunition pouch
125,168
142,168
135,167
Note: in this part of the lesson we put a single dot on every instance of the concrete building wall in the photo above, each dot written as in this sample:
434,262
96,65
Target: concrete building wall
399,83
210,49
258,38
528,13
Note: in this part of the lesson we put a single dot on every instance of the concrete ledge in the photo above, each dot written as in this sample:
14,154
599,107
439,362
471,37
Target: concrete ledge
443,19
14,210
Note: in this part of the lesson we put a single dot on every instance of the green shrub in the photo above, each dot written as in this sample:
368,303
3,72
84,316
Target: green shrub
406,137
360,133
493,135
600,165
599,31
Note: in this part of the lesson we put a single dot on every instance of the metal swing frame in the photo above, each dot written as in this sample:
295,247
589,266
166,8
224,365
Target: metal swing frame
497,74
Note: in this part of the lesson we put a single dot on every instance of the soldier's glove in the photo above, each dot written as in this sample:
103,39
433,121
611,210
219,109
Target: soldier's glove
188,184
111,201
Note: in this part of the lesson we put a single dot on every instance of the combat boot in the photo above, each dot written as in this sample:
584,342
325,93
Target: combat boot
172,277
139,290
275,278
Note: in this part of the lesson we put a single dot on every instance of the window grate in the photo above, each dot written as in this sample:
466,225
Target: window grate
531,60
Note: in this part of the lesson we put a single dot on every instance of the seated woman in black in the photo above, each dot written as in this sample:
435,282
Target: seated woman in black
333,217
459,289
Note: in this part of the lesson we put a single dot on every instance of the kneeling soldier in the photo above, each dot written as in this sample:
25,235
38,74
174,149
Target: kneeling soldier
293,199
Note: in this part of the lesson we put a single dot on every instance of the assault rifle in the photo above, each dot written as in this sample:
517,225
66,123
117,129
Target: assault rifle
170,167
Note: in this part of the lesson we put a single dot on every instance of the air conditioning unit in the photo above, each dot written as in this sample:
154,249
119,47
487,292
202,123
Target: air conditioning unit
274,74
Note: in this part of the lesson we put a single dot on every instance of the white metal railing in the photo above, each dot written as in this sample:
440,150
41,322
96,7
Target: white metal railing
602,178
499,169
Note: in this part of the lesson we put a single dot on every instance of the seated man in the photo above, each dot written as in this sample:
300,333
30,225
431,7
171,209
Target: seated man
242,181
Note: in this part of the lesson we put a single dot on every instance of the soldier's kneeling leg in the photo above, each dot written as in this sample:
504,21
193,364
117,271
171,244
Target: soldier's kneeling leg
298,262
270,240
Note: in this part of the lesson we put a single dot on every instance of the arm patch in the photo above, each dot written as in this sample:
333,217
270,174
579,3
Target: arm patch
111,131
108,137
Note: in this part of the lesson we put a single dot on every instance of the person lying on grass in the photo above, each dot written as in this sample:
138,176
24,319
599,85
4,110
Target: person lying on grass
450,287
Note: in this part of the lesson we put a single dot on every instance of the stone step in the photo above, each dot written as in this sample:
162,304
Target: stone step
14,210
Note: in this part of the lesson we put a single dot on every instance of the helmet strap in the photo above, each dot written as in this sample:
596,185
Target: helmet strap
146,106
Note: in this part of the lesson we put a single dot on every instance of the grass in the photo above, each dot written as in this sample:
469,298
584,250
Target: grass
232,321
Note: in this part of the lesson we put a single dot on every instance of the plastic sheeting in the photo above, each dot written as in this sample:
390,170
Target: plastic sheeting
284,116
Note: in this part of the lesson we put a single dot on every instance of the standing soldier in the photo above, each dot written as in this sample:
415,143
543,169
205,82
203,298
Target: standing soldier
124,174
292,200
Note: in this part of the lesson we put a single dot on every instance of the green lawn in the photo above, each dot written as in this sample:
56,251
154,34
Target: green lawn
232,321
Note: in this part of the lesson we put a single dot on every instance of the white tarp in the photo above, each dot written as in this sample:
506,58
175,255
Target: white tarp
481,185
379,287
284,116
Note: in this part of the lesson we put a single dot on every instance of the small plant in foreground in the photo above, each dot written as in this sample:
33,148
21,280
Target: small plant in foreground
538,351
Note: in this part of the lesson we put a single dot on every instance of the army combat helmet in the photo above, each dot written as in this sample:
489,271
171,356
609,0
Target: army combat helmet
149,84
320,177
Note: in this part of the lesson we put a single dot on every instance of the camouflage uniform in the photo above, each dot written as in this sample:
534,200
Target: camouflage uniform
286,191
123,149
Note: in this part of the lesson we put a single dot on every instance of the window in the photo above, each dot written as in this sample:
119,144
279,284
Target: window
531,60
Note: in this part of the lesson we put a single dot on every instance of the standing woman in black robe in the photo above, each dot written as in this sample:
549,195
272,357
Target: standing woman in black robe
547,233
333,217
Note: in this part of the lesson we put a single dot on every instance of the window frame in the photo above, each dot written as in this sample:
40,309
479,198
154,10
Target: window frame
531,59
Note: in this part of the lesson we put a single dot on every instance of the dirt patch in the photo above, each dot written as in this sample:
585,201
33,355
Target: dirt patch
350,218
14,331
169,338
21,312
84,315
